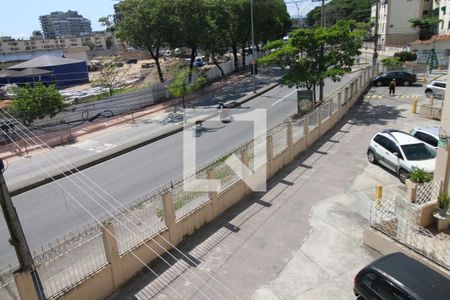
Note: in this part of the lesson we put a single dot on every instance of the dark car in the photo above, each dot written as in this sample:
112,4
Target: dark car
401,77
397,276
132,61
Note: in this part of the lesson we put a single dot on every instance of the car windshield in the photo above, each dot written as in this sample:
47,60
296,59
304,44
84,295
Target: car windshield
418,152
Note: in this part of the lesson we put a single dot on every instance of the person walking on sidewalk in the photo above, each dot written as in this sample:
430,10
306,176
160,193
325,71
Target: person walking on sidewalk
392,85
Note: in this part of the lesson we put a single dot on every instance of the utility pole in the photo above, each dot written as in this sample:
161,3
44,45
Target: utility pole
375,38
322,24
18,240
253,49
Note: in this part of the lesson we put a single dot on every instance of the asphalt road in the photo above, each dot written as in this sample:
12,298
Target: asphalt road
49,212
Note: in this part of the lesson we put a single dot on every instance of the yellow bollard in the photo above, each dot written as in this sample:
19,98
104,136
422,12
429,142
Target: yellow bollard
414,106
378,195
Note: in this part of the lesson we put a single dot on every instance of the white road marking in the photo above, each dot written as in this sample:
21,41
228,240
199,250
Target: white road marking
94,146
278,101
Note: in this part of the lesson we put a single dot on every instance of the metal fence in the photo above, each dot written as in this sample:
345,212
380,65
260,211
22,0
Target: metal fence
140,222
313,119
279,138
66,263
395,217
427,191
8,288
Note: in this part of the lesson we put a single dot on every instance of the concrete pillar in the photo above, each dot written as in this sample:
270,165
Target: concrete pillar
290,140
319,114
25,285
269,149
306,125
170,218
112,253
330,108
245,161
216,207
442,169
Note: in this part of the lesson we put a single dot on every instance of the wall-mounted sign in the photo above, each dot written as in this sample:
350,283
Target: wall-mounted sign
304,100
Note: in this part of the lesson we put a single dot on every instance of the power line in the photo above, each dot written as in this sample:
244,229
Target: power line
118,202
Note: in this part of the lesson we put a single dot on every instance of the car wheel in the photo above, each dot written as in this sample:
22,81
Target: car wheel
378,83
403,175
371,157
406,83
429,93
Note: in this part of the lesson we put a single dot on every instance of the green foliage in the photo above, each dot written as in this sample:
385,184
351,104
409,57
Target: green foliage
89,44
305,65
443,201
406,56
109,76
180,87
36,102
335,10
392,62
426,26
418,175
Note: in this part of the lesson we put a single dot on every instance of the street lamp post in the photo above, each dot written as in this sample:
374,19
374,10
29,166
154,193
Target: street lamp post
253,48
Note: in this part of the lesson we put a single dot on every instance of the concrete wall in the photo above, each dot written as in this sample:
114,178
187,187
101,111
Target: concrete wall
123,267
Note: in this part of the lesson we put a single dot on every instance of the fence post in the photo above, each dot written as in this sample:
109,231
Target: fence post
170,218
216,207
330,108
245,161
306,125
290,141
25,285
269,149
110,244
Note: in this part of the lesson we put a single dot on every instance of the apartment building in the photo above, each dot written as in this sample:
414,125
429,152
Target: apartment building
441,9
9,45
394,28
65,24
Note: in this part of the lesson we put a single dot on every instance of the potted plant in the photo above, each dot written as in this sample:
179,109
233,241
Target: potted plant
416,178
443,203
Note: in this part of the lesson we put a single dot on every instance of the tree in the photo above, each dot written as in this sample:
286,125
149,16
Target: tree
215,41
147,25
426,26
305,66
36,102
108,22
190,26
89,44
180,87
36,34
110,76
358,10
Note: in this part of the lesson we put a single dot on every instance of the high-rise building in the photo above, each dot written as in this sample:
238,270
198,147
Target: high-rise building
65,24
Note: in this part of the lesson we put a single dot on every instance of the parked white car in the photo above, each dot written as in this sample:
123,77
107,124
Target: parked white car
436,89
429,135
401,153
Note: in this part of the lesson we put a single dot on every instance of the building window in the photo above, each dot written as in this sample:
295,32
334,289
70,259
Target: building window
447,52
425,12
443,10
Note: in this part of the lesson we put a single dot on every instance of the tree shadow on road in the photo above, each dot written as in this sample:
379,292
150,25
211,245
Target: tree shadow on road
367,114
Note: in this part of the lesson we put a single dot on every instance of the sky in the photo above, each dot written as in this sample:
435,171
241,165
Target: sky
20,17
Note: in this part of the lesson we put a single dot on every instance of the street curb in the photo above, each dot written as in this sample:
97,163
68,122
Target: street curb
118,151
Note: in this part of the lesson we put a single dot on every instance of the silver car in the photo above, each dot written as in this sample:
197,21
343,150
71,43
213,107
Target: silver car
436,89
401,153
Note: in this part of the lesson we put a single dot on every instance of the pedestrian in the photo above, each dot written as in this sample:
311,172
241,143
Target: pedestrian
392,85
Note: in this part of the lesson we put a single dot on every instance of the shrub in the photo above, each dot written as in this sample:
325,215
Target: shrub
420,176
392,62
443,201
406,56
